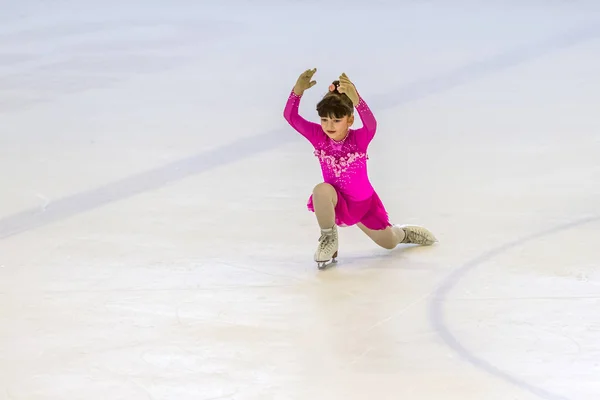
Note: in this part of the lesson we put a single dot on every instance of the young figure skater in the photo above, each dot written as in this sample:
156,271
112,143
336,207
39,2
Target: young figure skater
346,196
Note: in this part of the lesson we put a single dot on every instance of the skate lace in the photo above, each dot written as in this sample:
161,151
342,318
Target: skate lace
415,236
326,241
412,237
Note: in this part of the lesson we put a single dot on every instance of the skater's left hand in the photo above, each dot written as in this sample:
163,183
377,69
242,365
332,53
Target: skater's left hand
346,86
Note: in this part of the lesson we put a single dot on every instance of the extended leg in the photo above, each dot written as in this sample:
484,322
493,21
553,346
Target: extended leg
391,236
387,238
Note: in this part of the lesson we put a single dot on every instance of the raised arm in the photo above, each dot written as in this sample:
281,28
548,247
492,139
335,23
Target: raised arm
368,119
309,130
293,117
365,134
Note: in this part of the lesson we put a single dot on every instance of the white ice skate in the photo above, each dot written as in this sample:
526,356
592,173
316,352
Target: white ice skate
327,250
417,235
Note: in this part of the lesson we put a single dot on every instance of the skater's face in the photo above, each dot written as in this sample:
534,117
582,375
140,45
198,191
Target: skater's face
336,128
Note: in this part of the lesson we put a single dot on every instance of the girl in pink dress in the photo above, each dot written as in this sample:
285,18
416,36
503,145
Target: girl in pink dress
346,196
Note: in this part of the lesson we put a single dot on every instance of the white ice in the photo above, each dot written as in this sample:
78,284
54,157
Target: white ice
154,236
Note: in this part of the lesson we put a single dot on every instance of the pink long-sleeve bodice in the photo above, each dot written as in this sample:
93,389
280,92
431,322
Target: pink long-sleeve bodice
344,163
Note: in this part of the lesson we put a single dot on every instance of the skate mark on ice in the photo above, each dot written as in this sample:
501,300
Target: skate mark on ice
153,179
438,319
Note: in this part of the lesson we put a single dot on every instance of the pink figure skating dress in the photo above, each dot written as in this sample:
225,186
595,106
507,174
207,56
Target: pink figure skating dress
344,166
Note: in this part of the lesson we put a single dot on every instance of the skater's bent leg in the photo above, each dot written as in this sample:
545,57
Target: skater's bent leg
387,238
324,202
324,199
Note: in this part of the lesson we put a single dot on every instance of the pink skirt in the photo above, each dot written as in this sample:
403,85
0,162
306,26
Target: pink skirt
370,212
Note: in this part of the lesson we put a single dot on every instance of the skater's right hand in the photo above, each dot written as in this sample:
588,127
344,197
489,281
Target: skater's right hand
304,81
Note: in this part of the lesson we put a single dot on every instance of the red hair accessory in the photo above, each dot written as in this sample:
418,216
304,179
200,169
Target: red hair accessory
332,87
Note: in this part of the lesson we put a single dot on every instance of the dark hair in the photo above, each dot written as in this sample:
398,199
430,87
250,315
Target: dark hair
335,104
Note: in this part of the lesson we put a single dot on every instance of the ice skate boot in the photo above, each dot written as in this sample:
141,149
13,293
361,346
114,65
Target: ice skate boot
414,234
327,250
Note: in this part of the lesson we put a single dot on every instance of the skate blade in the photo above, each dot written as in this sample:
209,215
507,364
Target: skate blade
324,264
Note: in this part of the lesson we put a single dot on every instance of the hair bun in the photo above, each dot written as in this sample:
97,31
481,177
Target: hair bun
334,86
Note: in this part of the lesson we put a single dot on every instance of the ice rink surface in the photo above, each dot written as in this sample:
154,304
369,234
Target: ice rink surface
154,237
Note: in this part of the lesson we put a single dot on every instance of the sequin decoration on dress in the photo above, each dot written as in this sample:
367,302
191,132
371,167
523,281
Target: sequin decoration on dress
339,165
